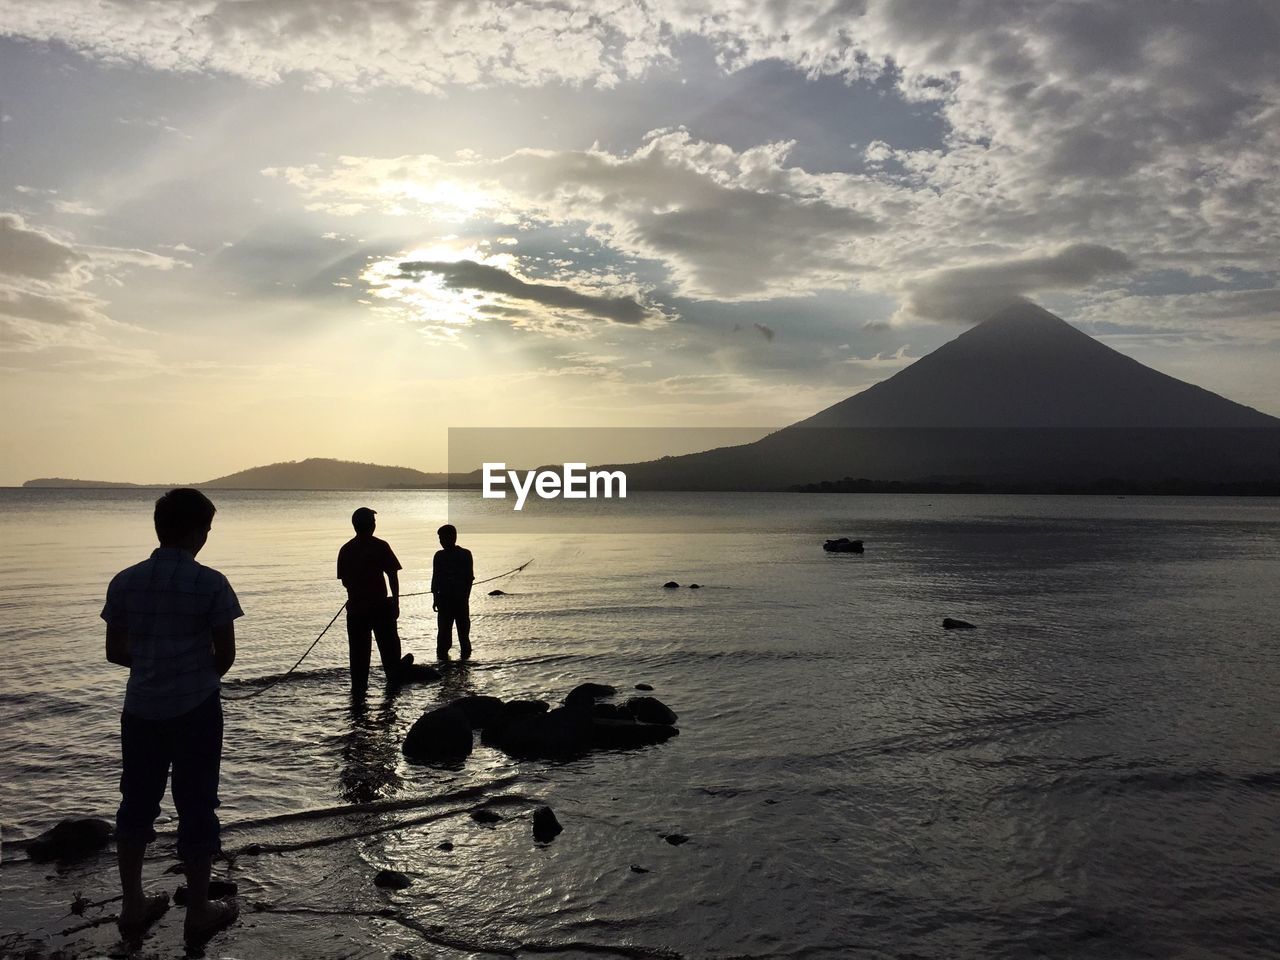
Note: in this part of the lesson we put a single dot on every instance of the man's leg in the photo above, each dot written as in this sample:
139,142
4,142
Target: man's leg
196,765
359,628
444,629
144,773
462,612
388,637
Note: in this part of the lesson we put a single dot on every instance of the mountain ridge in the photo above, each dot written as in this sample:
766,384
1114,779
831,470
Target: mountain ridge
313,473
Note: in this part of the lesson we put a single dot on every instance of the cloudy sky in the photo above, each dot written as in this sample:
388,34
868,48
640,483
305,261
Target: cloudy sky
240,231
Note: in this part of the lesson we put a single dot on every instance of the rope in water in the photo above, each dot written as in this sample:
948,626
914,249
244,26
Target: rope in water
265,687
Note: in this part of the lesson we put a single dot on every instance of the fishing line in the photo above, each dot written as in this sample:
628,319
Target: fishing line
265,687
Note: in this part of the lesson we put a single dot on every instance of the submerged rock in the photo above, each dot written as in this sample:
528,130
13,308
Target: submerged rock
70,839
442,734
545,825
670,585
497,593
695,586
675,839
485,816
650,710
391,880
949,623
636,868
618,734
644,686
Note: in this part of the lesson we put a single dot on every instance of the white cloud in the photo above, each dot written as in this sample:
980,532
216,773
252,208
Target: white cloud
76,208
1144,127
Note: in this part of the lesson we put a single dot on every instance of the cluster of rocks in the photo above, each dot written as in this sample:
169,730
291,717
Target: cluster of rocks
529,729
672,585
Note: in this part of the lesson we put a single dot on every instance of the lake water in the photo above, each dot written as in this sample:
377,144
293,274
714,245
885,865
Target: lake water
1093,772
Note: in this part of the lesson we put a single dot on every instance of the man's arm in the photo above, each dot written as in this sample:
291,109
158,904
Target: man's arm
393,578
224,647
118,646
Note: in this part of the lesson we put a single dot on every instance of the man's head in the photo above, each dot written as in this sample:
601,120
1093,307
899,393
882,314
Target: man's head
183,517
448,535
364,520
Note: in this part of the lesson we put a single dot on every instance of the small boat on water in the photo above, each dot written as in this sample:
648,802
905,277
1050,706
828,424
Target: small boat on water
843,545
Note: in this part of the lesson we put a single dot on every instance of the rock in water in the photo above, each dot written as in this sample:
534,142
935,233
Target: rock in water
562,732
670,585
843,545
485,816
675,839
391,880
650,710
585,694
610,711
948,623
481,711
71,839
695,586
518,708
644,686
497,593
442,734
545,825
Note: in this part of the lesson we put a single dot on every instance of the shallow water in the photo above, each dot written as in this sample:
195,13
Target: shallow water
1092,772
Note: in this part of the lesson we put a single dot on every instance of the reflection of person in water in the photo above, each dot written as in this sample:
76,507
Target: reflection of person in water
370,752
362,563
452,574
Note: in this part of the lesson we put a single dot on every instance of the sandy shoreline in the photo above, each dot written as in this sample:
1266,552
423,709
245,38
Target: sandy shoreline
306,888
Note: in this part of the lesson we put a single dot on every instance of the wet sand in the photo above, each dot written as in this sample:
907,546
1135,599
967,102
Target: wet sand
306,888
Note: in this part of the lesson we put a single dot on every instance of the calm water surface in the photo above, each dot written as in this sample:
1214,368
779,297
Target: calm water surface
1093,772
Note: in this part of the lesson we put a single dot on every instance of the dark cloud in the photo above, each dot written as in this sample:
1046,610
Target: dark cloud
766,331
31,253
469,275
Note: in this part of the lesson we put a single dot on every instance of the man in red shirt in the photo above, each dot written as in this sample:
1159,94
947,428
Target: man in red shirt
363,562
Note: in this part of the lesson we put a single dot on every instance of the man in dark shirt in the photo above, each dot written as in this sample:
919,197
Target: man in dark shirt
362,563
171,620
452,573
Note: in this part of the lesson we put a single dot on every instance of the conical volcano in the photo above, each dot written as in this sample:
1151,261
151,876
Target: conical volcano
1025,367
1023,400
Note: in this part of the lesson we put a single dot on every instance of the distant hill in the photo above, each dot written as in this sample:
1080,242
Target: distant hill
62,482
1020,401
313,474
322,474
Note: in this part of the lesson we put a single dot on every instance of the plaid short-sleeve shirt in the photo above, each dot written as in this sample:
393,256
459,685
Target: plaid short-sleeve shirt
169,606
